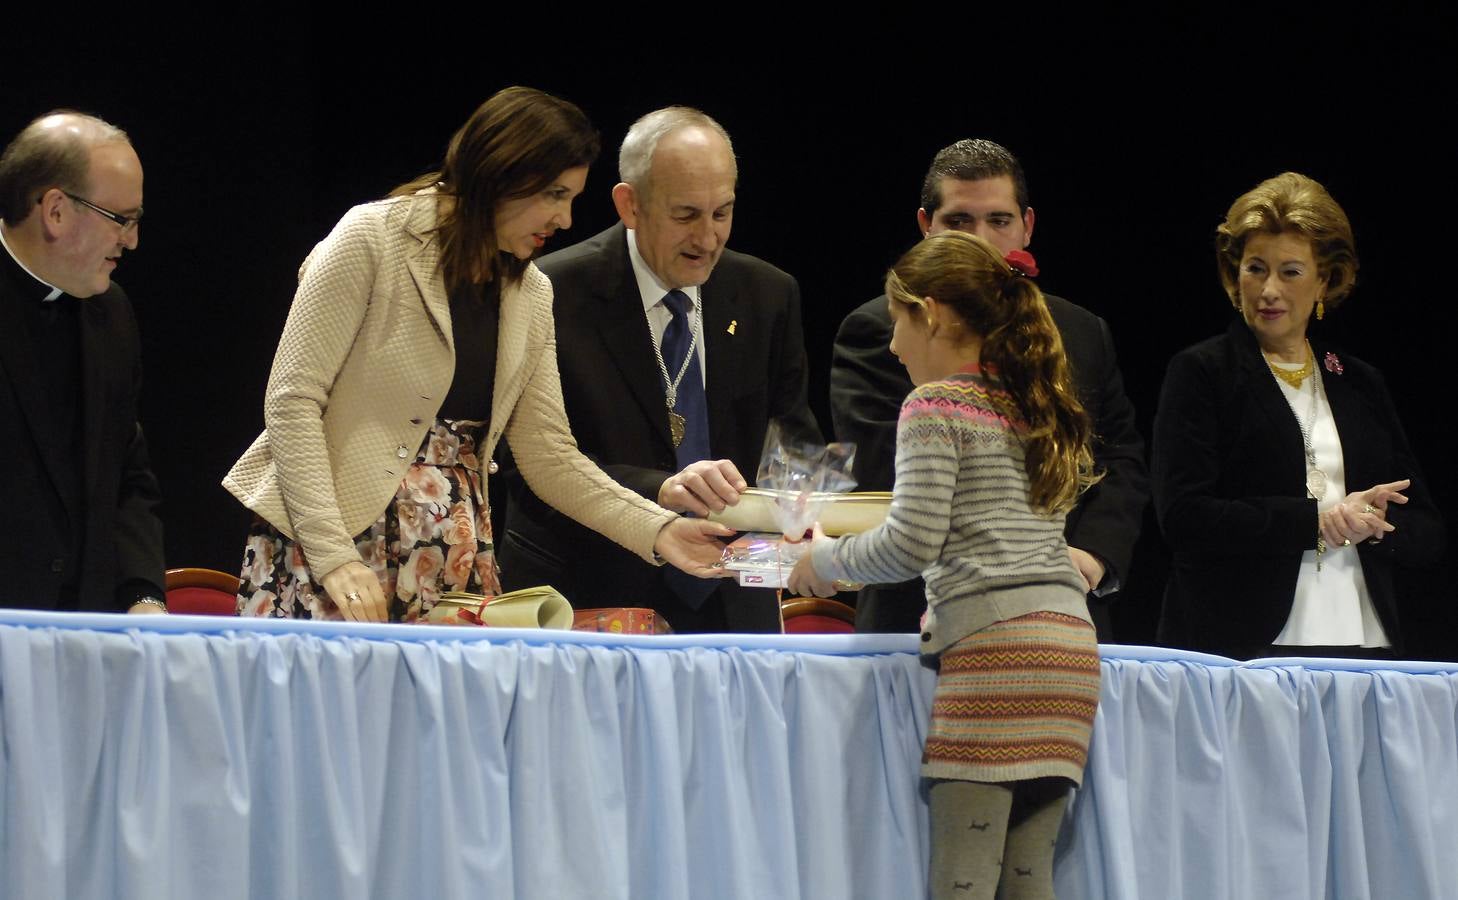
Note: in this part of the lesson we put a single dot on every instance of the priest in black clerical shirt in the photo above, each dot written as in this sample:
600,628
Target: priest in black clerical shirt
80,496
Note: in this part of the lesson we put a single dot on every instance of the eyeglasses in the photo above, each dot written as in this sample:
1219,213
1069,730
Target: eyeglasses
126,222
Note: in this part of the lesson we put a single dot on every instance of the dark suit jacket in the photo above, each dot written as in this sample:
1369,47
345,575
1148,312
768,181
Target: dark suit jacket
614,398
121,536
1230,492
868,385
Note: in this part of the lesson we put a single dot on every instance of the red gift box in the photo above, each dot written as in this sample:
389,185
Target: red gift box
620,620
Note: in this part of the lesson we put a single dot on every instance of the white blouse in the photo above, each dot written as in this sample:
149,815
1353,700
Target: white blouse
1331,606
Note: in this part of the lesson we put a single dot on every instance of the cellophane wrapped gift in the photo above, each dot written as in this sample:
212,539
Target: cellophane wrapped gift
759,559
800,477
797,473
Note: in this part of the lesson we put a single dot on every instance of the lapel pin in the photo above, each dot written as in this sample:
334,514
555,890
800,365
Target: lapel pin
733,324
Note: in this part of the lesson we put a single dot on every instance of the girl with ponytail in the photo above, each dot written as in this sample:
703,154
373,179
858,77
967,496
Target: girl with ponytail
991,452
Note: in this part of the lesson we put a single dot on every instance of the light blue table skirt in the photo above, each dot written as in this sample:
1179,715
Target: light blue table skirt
184,757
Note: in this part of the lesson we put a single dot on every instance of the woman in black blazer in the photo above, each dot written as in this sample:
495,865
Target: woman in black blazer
1282,478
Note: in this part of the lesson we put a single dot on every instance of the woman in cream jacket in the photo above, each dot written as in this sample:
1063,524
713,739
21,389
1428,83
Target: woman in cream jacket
382,414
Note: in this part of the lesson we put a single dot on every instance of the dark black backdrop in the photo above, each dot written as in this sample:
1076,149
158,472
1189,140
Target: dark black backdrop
1136,135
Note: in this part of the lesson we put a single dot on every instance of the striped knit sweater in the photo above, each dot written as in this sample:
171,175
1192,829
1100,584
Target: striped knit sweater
960,517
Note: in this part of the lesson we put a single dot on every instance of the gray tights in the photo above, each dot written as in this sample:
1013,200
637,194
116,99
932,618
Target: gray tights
994,840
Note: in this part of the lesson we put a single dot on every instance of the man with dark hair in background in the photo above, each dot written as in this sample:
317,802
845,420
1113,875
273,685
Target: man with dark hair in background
978,187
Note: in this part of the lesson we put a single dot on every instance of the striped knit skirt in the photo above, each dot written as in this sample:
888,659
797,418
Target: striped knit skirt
1014,701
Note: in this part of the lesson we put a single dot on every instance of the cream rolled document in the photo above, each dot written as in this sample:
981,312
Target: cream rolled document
534,607
839,513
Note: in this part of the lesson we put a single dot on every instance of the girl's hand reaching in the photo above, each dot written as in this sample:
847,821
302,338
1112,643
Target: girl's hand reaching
804,580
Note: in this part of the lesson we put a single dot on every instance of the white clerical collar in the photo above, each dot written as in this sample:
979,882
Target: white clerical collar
55,291
651,289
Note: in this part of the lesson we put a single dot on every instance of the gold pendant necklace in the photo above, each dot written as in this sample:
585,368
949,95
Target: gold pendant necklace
677,425
1294,377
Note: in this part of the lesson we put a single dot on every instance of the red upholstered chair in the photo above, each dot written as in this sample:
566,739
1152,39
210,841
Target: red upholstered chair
815,615
202,592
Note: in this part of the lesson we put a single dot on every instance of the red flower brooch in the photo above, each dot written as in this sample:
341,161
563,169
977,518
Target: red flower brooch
1022,262
1333,365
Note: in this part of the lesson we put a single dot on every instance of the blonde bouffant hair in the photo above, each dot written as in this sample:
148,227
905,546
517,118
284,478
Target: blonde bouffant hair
1290,202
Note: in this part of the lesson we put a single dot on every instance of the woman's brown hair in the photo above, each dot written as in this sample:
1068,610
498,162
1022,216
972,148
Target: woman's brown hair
1019,342
514,145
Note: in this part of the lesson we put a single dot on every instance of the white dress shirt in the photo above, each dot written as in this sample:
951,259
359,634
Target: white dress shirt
659,315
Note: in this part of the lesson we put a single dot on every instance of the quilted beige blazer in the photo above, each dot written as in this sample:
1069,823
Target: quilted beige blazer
365,362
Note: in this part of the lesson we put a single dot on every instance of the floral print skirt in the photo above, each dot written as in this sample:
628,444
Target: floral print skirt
434,536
